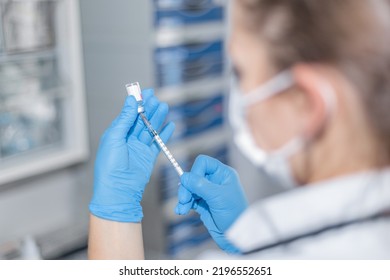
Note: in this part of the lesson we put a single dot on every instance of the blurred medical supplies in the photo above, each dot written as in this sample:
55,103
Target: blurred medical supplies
27,25
180,64
42,112
30,108
185,12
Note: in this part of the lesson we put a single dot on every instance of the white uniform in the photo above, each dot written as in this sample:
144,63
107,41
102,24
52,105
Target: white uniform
344,218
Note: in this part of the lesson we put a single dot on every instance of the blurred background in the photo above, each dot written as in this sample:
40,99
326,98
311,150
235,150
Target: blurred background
63,67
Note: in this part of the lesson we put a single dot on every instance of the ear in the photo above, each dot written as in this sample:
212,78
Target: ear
317,88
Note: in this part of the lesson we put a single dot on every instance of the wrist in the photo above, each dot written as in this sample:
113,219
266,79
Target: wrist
111,240
130,212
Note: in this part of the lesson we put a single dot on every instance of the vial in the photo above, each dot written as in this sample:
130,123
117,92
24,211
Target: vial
134,89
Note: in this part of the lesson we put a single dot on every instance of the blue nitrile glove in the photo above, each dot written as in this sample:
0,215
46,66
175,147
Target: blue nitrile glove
214,191
125,160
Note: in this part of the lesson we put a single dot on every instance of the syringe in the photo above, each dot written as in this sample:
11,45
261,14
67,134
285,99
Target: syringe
134,89
162,145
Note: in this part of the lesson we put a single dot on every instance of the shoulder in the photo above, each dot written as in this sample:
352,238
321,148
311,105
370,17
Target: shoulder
364,241
361,241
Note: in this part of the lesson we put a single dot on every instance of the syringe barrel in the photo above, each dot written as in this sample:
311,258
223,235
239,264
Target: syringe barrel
169,155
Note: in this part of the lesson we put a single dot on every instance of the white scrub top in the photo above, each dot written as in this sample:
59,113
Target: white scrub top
344,218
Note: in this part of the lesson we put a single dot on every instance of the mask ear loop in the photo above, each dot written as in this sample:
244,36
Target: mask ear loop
280,83
328,96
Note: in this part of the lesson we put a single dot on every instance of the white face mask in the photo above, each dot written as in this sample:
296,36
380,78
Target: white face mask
275,163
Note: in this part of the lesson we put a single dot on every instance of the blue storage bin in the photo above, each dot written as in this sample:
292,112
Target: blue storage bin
179,13
185,4
181,64
185,235
24,131
196,117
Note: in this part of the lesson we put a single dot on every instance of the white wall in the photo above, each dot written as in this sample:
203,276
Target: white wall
37,205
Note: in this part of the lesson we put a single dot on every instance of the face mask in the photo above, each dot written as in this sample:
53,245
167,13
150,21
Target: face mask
275,163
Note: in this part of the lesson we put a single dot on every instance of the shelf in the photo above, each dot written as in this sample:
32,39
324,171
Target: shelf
9,103
39,161
168,5
207,87
173,36
199,142
27,56
5,1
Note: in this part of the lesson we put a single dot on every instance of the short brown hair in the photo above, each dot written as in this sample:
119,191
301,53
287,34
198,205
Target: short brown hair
353,35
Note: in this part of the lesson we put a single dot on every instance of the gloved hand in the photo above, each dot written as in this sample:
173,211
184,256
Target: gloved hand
214,191
125,160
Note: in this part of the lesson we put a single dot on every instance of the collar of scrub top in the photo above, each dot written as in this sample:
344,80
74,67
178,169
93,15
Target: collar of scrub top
311,210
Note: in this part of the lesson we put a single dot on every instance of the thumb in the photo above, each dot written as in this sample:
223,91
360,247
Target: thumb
197,185
125,121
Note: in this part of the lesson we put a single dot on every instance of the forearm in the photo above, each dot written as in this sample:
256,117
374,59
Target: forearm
115,241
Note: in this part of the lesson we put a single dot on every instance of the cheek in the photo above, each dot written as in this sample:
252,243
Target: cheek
261,126
271,124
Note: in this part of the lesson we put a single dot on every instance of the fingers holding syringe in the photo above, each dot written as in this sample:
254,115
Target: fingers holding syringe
151,104
165,135
124,122
156,119
185,201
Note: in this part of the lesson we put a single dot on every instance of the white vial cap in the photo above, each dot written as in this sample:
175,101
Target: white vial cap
134,89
